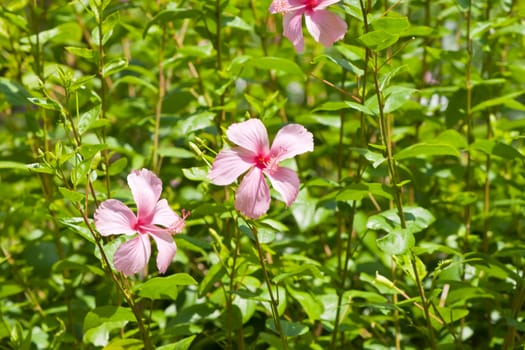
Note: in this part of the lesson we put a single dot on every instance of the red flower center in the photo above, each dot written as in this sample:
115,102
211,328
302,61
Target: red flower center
310,4
261,161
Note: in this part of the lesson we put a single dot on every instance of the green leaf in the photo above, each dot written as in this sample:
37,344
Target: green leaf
118,166
303,270
136,81
331,106
335,106
355,192
183,344
450,137
171,15
13,165
416,220
80,52
247,307
108,26
278,64
114,66
60,34
77,225
308,302
341,62
463,4
213,275
68,265
89,151
196,122
450,314
289,329
8,289
102,320
426,150
196,173
265,235
88,119
15,94
73,196
124,344
378,40
45,103
507,100
40,168
164,287
175,152
396,97
397,241
239,23
495,148
405,262
391,24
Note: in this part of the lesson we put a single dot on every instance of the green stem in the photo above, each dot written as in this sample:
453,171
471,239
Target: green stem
273,301
103,91
469,124
218,46
230,295
120,285
384,129
160,98
487,69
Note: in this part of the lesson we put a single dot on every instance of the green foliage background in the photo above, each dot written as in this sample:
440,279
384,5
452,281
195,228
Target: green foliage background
407,232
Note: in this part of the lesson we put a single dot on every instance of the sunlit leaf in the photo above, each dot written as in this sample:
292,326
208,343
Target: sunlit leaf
378,40
426,150
99,322
164,287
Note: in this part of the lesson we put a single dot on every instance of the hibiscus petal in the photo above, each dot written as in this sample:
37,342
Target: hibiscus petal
113,217
229,165
325,27
291,140
293,29
278,6
325,3
167,250
132,256
253,195
164,215
146,188
286,182
250,135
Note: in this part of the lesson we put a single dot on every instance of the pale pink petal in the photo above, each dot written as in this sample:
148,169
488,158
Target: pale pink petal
229,165
293,29
325,27
286,182
253,195
166,250
164,215
279,6
291,140
298,3
325,3
146,188
250,134
113,217
132,256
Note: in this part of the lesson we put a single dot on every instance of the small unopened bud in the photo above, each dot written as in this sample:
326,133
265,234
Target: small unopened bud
383,280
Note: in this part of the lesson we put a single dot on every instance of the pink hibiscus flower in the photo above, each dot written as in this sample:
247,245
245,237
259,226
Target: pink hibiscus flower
325,26
254,153
154,218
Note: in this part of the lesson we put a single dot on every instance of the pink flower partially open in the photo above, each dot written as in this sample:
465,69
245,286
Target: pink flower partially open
154,218
324,26
254,154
